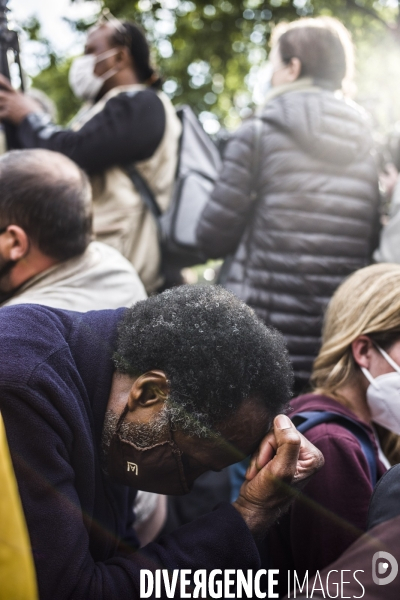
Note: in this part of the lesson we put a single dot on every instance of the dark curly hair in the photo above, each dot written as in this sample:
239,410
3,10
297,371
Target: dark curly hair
214,350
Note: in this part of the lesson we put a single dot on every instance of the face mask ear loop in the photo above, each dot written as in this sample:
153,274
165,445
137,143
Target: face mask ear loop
370,378
106,54
178,453
389,359
108,74
103,56
177,450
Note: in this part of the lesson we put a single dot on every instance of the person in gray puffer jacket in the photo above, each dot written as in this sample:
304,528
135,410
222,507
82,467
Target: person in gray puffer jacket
296,203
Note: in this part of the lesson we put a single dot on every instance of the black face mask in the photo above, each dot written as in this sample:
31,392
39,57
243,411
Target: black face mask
157,468
4,270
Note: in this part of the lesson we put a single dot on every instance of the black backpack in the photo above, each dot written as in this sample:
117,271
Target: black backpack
199,163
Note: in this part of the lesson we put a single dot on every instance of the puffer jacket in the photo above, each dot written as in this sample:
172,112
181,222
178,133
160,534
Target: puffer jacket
313,221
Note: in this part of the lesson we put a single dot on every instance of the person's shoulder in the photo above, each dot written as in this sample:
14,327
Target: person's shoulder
29,334
25,319
146,97
332,433
243,139
111,278
248,126
335,438
101,253
112,270
319,402
328,105
312,401
319,106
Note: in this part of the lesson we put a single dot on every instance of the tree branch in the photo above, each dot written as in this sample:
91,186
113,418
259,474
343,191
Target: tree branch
372,13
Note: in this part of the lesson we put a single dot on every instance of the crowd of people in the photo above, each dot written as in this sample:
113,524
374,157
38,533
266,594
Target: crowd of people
131,410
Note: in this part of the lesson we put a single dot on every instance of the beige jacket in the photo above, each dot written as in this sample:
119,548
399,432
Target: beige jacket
98,279
120,217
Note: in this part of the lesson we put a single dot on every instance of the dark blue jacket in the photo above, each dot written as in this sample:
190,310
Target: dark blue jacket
55,379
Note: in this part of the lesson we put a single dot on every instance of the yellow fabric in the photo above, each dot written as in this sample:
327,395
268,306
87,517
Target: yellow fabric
17,574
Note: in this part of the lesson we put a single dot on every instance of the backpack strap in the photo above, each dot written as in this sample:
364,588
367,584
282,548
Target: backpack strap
144,191
305,421
141,184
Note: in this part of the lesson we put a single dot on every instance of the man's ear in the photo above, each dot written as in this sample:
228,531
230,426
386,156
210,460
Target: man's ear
149,390
294,68
16,243
362,348
123,58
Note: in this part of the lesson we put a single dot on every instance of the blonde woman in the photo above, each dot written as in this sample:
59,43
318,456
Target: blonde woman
357,376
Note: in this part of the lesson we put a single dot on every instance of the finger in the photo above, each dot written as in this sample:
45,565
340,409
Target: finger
263,455
5,83
288,441
267,451
310,459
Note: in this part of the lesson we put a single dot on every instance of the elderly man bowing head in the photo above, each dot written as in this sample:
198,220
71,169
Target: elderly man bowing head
101,404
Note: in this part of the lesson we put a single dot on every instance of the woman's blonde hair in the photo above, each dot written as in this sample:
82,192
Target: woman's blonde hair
367,303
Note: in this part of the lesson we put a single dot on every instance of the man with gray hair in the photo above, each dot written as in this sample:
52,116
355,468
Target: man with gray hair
46,253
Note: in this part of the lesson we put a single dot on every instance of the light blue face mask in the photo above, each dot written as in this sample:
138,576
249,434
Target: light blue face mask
383,395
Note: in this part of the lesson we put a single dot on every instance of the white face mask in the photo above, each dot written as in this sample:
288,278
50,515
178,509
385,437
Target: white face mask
263,83
82,80
383,396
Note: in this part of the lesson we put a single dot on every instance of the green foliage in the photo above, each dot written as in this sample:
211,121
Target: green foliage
209,52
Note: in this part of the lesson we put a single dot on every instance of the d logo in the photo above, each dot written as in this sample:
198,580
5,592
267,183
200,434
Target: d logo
130,466
382,568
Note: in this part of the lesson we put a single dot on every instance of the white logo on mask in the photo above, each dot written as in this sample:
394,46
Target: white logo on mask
132,467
